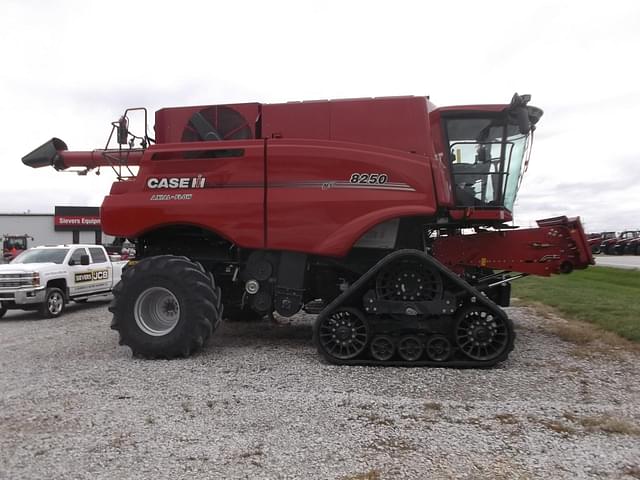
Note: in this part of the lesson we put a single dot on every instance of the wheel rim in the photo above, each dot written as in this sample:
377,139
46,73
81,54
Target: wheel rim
409,281
438,348
55,301
343,334
480,334
410,348
382,348
157,311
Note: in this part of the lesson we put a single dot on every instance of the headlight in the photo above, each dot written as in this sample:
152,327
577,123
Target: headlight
36,280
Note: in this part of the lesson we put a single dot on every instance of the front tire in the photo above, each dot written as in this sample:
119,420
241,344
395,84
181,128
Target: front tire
54,303
165,307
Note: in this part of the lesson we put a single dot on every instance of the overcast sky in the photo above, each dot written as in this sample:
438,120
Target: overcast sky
69,68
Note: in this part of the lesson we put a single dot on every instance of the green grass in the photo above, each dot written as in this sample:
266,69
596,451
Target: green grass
606,297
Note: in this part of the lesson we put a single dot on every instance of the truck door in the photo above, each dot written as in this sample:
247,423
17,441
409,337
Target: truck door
79,276
101,270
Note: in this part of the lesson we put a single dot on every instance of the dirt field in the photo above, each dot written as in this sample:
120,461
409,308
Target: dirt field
259,403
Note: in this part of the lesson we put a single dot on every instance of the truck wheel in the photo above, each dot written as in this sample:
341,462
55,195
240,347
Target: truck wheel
54,303
165,307
3,310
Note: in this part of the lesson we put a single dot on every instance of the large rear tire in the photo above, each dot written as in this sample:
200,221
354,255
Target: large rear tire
165,307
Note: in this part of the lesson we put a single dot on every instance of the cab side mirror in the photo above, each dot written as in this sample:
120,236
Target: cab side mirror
84,260
519,109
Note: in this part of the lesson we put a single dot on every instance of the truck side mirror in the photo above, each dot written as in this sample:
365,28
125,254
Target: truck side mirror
84,260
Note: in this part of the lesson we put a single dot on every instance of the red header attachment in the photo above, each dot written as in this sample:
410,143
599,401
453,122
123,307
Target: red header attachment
559,245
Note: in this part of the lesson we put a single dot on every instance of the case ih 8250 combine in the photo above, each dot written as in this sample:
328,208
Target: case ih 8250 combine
351,209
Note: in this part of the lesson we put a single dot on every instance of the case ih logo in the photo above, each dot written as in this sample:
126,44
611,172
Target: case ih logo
94,276
176,182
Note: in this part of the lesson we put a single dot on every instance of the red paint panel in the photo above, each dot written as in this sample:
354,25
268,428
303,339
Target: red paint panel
231,202
312,207
310,120
441,169
395,122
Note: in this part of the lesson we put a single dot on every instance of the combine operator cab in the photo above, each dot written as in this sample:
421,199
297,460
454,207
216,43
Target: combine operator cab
487,151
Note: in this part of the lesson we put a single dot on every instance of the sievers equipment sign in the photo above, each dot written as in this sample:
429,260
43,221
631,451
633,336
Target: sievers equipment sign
77,218
77,221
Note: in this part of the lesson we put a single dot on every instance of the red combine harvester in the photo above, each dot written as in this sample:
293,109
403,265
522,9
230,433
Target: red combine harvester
355,210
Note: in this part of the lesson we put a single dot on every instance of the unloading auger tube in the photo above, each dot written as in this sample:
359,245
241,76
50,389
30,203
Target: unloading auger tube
410,310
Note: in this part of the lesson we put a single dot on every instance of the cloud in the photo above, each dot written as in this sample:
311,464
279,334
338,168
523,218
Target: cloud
72,67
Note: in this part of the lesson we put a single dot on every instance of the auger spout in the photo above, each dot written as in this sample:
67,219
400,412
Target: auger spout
54,153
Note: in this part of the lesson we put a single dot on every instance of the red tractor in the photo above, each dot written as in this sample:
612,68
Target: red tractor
13,245
594,240
628,243
386,217
608,241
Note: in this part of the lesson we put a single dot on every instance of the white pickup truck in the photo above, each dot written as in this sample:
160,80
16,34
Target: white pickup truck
47,278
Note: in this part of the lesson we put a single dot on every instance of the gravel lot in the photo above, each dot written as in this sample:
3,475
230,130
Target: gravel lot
258,403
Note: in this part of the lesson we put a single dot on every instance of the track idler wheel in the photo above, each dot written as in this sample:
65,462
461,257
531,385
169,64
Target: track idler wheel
343,334
410,348
382,348
438,348
409,280
481,334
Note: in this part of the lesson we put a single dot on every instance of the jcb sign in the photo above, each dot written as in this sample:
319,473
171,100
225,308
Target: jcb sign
94,276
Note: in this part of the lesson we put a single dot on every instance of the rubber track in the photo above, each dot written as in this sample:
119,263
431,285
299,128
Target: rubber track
360,286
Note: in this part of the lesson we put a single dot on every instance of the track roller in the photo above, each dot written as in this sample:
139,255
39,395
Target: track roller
438,348
410,348
382,348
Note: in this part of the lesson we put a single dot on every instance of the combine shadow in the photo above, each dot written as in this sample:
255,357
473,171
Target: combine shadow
297,332
13,316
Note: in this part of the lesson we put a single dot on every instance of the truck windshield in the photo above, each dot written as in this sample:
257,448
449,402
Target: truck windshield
487,160
49,255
